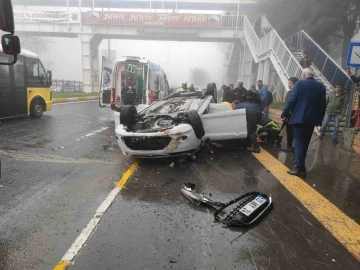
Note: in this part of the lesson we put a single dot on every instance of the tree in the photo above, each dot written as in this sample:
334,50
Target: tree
40,46
321,19
199,77
35,44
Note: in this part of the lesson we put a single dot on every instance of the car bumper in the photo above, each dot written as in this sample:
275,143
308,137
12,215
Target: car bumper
172,142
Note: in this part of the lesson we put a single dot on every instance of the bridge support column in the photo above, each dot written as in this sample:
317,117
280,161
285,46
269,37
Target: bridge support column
90,62
86,63
261,71
266,75
246,72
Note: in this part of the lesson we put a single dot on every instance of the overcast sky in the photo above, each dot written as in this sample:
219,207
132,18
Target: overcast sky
177,58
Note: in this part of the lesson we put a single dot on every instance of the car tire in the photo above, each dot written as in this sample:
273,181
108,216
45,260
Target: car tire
211,91
128,115
196,123
37,108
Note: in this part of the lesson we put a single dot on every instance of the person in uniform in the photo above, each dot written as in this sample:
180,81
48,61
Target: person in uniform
129,93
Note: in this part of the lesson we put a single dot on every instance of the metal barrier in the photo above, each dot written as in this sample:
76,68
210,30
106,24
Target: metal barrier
66,86
232,21
330,70
273,43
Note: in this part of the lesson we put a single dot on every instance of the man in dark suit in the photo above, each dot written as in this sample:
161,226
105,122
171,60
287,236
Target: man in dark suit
306,107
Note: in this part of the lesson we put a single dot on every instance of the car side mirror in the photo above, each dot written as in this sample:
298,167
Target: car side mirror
6,16
49,75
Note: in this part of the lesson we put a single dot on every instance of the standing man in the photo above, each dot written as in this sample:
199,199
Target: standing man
335,109
307,105
289,130
192,88
227,94
129,93
263,92
305,62
183,88
240,91
253,117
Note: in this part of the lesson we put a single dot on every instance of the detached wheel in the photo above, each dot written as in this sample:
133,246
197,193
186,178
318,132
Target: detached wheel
195,122
128,115
211,91
37,108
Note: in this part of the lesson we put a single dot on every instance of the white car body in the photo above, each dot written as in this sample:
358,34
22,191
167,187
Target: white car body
220,123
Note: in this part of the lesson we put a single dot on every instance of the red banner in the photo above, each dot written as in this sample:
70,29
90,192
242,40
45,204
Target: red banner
153,19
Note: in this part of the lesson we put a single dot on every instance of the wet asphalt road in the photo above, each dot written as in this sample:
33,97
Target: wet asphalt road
57,170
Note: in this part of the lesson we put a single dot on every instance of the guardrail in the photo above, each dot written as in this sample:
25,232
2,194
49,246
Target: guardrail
330,70
273,42
66,86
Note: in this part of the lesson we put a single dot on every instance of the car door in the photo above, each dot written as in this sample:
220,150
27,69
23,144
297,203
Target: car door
222,123
105,87
6,91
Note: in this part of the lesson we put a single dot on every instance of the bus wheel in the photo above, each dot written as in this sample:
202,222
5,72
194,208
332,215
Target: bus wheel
37,108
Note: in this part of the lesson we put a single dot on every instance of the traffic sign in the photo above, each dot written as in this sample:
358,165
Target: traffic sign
353,58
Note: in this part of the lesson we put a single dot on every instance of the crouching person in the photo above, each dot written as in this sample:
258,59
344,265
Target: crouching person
268,131
253,117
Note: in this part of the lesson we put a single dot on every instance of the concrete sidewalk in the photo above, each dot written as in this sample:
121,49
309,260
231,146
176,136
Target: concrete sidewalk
63,100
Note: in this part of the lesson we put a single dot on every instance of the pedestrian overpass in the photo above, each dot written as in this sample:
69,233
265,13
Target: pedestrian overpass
255,53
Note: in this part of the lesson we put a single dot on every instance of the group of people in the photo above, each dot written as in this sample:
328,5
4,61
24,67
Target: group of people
185,89
263,97
259,125
307,106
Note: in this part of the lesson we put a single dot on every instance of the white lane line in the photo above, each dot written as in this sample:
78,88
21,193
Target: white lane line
63,103
86,232
96,131
80,241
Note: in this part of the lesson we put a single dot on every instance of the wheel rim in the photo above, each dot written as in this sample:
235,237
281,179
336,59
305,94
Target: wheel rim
37,109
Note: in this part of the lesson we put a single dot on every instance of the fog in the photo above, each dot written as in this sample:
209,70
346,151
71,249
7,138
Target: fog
63,57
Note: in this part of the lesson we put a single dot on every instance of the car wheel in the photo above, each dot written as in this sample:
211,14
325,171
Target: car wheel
37,108
128,115
195,122
211,91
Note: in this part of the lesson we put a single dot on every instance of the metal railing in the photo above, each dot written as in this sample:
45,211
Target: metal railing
327,66
232,21
66,86
273,43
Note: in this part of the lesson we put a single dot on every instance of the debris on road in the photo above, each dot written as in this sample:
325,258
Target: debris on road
172,259
248,209
172,165
168,181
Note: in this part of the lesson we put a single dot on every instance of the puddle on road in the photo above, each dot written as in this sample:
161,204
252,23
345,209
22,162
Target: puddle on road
39,144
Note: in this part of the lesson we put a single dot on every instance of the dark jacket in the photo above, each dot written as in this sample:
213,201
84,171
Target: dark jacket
239,93
287,95
305,62
227,95
336,104
354,79
306,103
253,114
129,94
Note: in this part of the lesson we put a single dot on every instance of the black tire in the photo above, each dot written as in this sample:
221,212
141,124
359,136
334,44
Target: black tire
195,122
37,108
128,115
211,91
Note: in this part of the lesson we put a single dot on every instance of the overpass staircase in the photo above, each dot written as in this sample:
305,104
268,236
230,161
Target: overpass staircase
286,54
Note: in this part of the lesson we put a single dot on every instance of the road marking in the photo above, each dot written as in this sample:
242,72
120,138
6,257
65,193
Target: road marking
62,103
79,242
343,228
96,131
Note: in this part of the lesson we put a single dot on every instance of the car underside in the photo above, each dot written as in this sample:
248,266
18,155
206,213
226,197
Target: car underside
178,125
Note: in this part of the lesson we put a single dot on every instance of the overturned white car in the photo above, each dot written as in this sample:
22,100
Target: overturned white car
177,125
